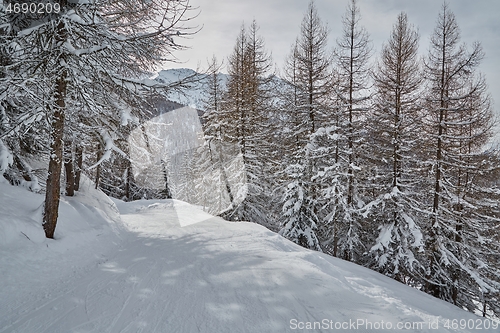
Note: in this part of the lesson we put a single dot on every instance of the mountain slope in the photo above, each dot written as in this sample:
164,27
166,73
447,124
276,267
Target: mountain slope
195,93
166,266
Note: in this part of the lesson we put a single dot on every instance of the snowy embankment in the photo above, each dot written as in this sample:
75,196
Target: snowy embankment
166,266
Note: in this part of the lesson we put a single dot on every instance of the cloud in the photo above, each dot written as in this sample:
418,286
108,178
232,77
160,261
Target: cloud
279,22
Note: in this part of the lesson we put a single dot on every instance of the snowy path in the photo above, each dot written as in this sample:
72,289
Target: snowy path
178,269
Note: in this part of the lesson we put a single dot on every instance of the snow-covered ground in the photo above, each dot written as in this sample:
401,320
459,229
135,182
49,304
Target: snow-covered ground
166,266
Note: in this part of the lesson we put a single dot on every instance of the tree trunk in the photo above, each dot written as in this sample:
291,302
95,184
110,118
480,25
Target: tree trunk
167,192
223,172
128,181
53,189
350,129
98,169
52,194
79,163
69,170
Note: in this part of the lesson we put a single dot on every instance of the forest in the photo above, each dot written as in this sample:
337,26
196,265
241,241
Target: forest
385,160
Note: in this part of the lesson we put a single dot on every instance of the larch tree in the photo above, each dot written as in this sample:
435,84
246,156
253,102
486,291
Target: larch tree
233,121
458,122
352,56
313,69
394,128
88,57
309,80
215,128
295,133
300,226
21,139
247,104
258,92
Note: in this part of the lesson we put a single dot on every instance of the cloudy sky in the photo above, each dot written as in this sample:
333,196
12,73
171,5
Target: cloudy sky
279,22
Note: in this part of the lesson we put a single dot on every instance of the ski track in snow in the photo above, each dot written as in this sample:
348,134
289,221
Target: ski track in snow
177,269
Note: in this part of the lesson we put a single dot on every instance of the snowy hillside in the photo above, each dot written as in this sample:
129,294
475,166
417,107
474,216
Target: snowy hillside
166,266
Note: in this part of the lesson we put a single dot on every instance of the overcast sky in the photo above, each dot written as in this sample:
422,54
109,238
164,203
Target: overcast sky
279,22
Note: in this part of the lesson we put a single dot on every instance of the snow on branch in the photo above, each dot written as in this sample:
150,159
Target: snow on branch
6,159
109,146
78,52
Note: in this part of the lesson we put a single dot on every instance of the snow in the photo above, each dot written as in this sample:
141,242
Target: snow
167,266
109,146
6,159
71,49
125,115
415,232
73,16
384,237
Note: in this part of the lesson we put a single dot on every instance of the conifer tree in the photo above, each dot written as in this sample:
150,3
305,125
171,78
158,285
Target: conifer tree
309,81
87,56
352,56
300,220
458,121
246,108
216,128
394,128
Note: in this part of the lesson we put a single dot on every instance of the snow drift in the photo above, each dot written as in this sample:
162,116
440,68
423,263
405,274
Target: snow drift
167,266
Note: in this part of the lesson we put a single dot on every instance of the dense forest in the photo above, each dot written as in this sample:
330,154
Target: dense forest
385,160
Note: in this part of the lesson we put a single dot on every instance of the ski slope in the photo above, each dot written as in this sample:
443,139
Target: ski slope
166,266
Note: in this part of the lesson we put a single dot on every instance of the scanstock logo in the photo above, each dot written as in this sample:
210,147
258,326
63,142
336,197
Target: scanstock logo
169,150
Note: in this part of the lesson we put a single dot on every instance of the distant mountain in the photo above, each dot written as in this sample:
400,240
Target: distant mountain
195,94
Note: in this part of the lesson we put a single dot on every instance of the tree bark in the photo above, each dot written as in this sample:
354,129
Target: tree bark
53,194
98,169
223,172
167,192
79,163
69,169
53,189
128,180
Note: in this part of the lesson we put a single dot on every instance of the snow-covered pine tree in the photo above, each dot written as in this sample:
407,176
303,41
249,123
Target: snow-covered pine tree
218,143
189,178
215,128
458,122
394,130
86,56
233,98
289,134
330,178
300,220
211,189
263,88
19,137
247,104
352,55
309,80
308,72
